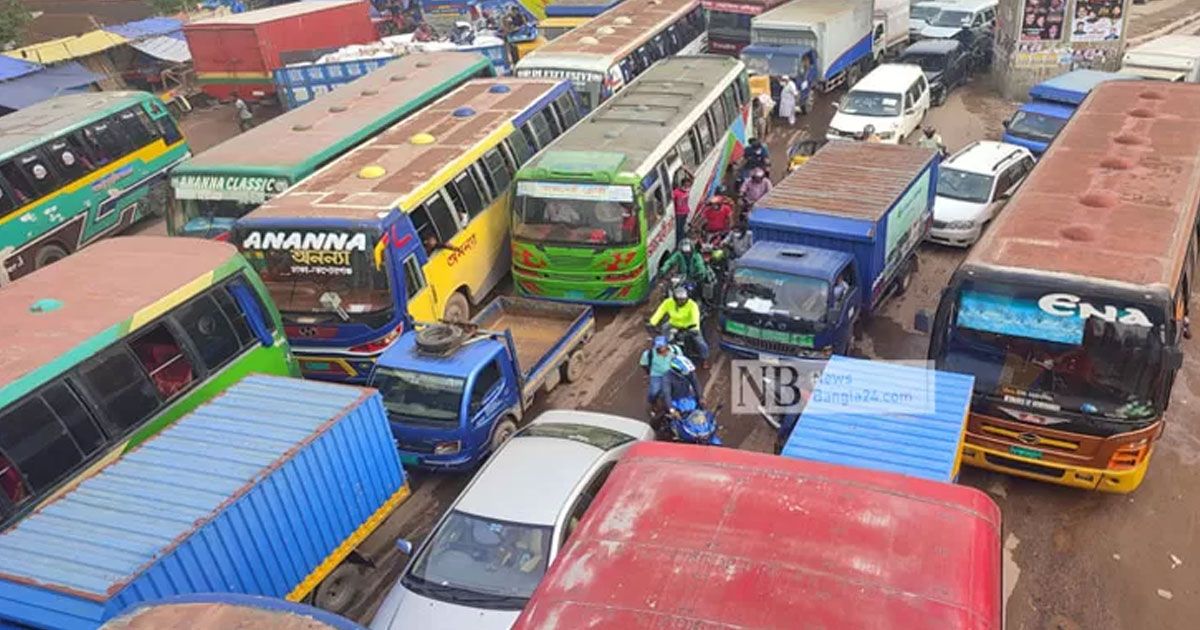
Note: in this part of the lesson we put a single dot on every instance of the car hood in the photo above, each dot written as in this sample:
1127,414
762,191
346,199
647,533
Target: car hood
916,25
404,609
855,124
933,76
940,32
946,210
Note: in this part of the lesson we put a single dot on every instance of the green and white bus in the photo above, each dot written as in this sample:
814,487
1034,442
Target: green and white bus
107,347
79,167
224,183
592,218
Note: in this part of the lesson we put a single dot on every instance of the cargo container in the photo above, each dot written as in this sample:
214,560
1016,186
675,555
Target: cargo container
830,40
1168,58
239,52
227,611
276,488
832,241
300,84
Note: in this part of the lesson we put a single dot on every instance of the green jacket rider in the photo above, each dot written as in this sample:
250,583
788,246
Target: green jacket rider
689,263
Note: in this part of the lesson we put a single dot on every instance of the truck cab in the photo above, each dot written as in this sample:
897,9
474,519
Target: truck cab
790,300
798,63
1051,104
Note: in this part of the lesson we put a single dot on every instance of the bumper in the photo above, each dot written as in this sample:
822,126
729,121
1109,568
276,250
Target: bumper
833,137
457,462
955,237
336,369
1117,482
596,293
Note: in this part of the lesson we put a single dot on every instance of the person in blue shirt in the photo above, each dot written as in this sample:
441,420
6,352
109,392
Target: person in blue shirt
657,362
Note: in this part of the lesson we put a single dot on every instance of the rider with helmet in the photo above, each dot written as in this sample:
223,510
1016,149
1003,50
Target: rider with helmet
717,214
681,383
683,314
688,262
658,363
755,188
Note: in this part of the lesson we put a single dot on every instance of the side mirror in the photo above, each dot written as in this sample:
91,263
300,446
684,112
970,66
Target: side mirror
405,546
1006,123
921,322
1172,358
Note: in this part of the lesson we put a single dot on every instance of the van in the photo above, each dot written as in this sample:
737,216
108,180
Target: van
893,99
965,20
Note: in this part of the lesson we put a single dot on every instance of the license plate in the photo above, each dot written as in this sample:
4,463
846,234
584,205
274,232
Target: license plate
1025,452
408,460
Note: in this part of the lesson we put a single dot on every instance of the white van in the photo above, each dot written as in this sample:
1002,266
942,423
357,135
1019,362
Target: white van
893,99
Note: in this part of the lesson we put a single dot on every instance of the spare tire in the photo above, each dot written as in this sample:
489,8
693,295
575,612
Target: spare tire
440,338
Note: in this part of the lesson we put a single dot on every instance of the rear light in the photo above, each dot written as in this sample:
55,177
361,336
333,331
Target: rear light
447,448
222,237
379,344
1129,455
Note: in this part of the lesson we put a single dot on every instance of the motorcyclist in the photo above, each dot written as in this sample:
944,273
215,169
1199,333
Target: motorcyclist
683,314
755,156
755,188
463,34
681,382
657,362
931,139
688,262
739,239
717,215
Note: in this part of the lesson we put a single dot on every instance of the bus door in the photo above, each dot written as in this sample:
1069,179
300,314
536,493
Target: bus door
402,246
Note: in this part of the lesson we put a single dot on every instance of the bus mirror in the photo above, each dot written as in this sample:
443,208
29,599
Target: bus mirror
921,322
1173,358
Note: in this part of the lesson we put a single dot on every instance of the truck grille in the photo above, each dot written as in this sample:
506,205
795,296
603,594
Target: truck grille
415,447
761,344
843,134
1024,466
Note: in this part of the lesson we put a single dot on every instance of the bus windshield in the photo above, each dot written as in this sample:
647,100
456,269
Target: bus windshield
729,25
207,218
1058,352
575,214
320,275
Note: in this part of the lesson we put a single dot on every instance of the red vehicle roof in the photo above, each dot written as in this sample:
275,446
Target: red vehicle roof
690,536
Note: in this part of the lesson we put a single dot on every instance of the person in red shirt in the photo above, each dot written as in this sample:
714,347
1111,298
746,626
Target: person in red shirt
718,215
679,196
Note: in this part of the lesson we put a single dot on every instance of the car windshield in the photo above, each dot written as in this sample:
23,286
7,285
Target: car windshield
928,63
773,293
575,214
1094,356
1036,126
952,18
416,397
964,186
475,561
320,276
599,437
923,12
860,103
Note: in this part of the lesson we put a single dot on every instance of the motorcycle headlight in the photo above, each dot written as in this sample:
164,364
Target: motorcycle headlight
697,419
960,225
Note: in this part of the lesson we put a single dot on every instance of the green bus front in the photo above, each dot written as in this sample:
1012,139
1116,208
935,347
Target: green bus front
584,240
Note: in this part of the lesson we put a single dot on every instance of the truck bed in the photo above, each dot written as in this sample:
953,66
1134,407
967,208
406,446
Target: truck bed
538,328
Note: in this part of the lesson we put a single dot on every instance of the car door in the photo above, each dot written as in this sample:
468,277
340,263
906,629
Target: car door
1005,184
912,112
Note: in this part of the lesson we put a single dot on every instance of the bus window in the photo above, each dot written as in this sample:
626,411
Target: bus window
518,147
673,44
731,111
68,157
705,135
531,137
424,227
11,484
37,443
465,194
237,318
716,113
687,152
168,130
497,171
107,145
211,333
414,276
443,219
23,191
6,200
162,356
38,172
75,416
567,110
123,394
137,132
542,129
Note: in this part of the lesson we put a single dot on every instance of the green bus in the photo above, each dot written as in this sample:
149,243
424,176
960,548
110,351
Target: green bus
79,167
222,184
592,217
110,345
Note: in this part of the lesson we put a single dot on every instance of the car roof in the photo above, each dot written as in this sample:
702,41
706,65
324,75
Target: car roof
885,77
931,46
973,5
985,156
938,3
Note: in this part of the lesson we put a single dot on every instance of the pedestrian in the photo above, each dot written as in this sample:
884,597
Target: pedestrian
679,196
788,94
244,115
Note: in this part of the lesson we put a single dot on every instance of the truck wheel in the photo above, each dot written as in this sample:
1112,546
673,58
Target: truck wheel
439,338
907,278
341,590
48,254
573,371
853,74
504,430
458,308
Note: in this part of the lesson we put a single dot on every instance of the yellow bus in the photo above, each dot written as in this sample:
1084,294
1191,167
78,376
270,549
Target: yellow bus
410,225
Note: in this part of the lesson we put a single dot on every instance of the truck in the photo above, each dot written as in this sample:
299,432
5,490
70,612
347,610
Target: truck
687,537
1167,58
239,52
280,487
456,392
818,43
729,23
223,611
830,243
1051,103
298,84
891,28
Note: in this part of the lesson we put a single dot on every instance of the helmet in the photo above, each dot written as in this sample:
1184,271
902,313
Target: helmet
682,365
680,293
869,129
660,342
686,247
758,173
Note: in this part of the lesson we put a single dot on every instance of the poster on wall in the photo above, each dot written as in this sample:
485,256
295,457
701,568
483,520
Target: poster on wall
1042,20
1097,21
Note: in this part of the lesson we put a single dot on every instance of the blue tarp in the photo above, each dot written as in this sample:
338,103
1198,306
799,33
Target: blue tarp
149,27
12,68
884,416
51,81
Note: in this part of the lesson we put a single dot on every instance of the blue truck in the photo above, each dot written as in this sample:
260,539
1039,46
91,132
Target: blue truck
300,84
831,242
279,487
1051,104
455,392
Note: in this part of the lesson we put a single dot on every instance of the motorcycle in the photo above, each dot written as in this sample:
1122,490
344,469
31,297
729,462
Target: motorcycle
690,423
677,338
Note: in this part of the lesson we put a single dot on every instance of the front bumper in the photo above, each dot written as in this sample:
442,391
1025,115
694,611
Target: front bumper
1102,480
955,237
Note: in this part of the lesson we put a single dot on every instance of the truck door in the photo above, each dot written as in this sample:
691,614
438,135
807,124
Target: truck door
488,402
846,304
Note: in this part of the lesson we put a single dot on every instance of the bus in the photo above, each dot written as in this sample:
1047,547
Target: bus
77,168
565,15
411,225
214,188
1071,310
162,326
592,215
616,46
729,22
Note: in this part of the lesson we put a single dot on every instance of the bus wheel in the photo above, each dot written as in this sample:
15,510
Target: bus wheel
458,309
574,367
48,254
504,430
342,589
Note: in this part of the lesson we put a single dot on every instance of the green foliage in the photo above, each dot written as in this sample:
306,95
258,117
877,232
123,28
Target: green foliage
169,7
14,17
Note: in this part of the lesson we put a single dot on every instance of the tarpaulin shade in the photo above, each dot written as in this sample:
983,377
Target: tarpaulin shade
13,68
57,50
50,82
170,48
149,27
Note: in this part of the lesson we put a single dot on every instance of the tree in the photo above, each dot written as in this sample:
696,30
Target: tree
14,17
169,7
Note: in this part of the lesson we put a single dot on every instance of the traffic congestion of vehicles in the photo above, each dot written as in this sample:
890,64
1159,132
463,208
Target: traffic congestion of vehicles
559,335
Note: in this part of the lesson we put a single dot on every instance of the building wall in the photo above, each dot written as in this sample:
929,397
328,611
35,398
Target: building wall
1040,39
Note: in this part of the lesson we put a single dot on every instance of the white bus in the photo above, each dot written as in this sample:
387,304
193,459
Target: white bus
608,51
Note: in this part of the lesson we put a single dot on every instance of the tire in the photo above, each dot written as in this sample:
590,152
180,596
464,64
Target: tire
574,367
504,430
906,279
48,254
341,590
440,338
458,309
809,102
938,99
853,74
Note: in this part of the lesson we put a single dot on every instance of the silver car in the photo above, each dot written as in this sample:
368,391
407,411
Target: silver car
482,561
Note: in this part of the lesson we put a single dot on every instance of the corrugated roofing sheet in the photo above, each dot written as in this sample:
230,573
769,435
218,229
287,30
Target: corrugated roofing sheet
149,27
57,50
884,416
56,80
167,48
13,68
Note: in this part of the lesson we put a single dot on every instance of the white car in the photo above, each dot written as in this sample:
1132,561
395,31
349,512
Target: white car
483,559
893,99
920,14
973,185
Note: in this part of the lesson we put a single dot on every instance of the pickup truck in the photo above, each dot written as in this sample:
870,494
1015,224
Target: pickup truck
1050,106
454,393
831,242
1168,58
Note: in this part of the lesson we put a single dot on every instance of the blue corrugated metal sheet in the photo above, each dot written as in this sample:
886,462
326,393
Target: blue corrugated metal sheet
301,84
149,27
849,421
53,81
12,68
248,494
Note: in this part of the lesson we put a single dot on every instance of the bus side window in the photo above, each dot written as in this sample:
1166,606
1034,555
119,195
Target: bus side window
236,316
6,199
731,110
498,172
568,110
123,393
424,228
687,152
673,39
253,309
68,159
518,146
22,189
38,172
443,219
414,276
168,129
717,114
531,138
211,333
542,129
136,132
465,194
705,135
106,144
38,444
161,354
